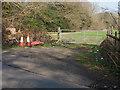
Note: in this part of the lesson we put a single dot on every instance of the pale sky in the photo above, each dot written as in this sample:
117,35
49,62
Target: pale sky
112,5
103,0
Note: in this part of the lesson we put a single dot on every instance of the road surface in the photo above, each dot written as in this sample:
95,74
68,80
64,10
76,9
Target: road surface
51,67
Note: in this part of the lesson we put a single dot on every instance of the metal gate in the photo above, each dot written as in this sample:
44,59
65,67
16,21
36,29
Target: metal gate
82,36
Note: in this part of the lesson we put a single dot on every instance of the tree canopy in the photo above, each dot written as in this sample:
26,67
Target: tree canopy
48,16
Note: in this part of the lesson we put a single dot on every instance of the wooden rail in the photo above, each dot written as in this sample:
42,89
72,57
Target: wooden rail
114,37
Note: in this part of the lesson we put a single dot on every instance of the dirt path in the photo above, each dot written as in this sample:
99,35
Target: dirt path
56,63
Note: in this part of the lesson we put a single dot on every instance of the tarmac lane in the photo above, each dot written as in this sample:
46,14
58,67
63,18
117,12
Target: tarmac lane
37,68
16,78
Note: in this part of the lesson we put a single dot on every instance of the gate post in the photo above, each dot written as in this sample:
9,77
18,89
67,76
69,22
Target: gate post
59,34
84,36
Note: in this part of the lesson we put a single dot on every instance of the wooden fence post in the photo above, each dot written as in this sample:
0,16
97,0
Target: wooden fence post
119,41
59,34
112,40
111,31
107,34
115,39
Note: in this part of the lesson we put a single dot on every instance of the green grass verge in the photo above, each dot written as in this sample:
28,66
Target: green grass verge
92,58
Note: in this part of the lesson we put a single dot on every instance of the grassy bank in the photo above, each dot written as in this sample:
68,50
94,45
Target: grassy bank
90,55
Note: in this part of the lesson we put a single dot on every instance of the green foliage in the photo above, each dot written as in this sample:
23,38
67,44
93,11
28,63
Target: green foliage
54,19
43,16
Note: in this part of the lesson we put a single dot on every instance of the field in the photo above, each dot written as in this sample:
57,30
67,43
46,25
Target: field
87,37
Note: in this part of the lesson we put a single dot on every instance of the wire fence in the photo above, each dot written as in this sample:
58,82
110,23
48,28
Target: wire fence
82,36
